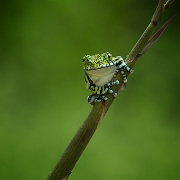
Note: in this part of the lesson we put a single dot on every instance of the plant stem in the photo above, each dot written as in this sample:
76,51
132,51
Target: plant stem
77,145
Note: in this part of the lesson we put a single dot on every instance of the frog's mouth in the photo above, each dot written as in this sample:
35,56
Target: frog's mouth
100,66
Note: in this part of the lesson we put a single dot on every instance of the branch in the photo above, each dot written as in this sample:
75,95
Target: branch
77,145
67,161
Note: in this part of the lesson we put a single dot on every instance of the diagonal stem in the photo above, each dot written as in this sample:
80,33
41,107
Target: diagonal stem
147,33
66,163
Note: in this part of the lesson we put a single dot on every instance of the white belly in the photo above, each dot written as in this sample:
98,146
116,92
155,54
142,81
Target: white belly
102,76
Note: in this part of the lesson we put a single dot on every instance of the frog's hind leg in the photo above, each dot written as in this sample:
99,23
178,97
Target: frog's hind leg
95,98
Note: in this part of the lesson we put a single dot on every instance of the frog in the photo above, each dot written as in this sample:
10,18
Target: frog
99,70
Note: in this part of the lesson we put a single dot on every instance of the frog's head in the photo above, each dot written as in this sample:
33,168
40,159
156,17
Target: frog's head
97,61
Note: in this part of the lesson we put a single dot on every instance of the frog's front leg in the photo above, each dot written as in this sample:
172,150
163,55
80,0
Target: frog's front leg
122,67
108,87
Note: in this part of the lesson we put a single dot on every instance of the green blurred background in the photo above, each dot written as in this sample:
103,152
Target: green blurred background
43,93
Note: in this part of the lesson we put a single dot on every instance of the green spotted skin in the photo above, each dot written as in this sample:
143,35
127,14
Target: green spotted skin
99,70
99,61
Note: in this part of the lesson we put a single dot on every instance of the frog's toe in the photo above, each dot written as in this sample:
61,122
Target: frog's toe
110,91
114,94
104,97
125,80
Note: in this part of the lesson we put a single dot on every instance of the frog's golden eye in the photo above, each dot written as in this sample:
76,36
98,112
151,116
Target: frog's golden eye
85,58
109,55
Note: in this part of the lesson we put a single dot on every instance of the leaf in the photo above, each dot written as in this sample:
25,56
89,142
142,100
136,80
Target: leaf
156,36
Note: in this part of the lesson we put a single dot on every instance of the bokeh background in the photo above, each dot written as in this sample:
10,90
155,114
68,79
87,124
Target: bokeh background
43,93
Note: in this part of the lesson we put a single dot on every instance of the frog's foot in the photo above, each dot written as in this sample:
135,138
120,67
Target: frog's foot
96,98
113,83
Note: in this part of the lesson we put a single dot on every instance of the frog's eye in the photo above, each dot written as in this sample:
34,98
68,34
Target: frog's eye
108,55
85,58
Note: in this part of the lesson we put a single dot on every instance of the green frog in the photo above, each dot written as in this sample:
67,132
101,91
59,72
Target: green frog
99,71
